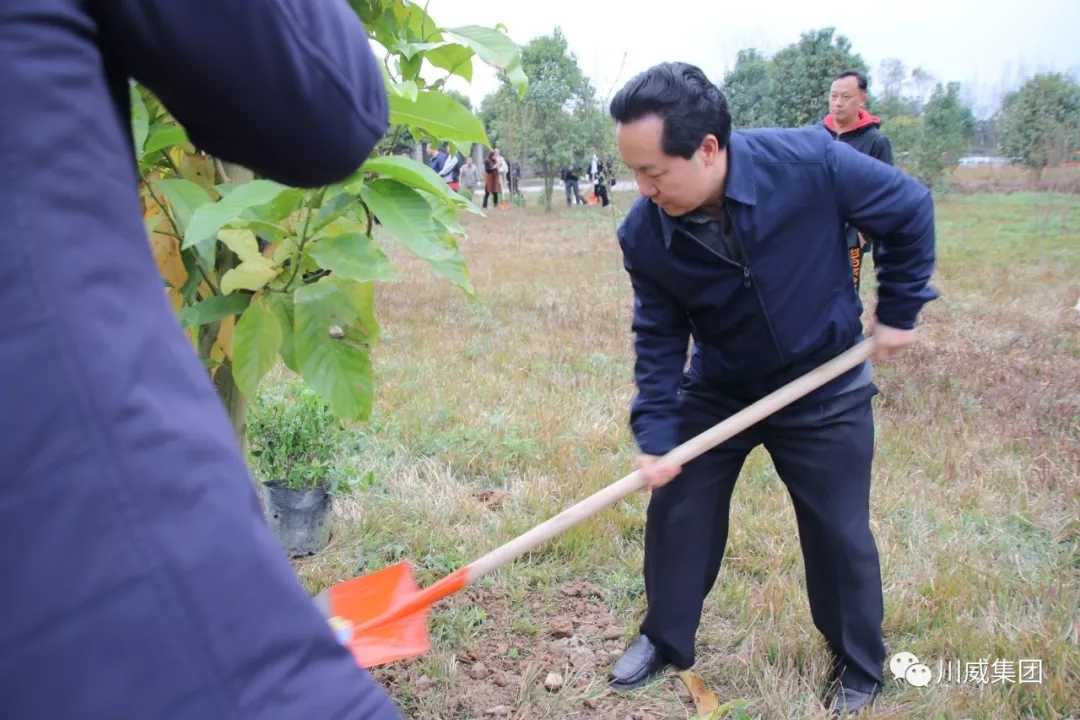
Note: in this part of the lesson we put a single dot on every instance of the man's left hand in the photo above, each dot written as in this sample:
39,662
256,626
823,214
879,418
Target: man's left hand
889,341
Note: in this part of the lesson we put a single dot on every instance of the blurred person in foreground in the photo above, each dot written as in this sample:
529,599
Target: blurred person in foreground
738,242
139,579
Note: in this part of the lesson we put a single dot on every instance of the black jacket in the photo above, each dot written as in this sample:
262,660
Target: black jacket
866,136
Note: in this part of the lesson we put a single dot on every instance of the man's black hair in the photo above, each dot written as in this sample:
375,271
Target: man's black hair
855,74
689,104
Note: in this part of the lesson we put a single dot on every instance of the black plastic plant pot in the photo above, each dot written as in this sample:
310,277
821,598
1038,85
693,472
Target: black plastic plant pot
300,519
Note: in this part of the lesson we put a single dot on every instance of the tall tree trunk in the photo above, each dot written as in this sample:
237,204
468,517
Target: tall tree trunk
224,383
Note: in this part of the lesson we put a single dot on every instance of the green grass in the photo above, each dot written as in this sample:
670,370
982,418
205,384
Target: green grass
976,492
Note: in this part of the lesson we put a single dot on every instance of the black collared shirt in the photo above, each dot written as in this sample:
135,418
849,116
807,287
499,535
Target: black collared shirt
716,233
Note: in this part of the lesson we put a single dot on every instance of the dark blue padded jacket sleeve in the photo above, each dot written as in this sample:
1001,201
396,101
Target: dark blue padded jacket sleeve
891,206
288,88
139,578
661,338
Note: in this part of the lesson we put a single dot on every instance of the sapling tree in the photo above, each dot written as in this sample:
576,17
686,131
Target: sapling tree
258,271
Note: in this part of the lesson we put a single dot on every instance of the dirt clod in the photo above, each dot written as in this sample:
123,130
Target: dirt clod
612,632
553,682
498,711
561,627
581,589
478,671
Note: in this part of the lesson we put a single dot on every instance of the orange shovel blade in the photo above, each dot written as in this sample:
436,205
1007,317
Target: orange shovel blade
364,599
382,616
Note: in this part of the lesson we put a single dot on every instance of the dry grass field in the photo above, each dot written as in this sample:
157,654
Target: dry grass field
493,416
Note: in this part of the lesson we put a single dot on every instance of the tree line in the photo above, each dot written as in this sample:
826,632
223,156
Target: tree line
561,119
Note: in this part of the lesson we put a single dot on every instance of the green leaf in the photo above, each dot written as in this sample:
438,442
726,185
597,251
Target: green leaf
409,172
185,197
440,115
454,58
493,47
452,267
164,135
414,20
281,207
353,256
407,90
281,304
338,368
517,77
140,120
336,207
406,215
190,291
285,251
241,242
256,341
268,230
249,275
209,218
444,214
212,309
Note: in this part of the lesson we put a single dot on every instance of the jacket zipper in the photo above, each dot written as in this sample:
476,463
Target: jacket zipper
746,283
745,268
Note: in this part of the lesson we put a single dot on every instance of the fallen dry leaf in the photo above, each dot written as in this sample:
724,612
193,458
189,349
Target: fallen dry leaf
704,698
491,498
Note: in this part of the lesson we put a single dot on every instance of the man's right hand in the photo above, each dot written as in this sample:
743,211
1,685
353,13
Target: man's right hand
657,473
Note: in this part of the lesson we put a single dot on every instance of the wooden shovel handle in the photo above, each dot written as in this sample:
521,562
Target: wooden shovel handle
682,454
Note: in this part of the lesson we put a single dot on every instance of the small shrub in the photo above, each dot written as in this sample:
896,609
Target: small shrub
294,438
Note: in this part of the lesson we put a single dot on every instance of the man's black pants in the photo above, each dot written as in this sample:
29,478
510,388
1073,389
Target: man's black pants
823,453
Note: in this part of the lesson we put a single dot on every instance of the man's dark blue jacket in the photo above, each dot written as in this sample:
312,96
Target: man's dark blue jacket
138,578
791,306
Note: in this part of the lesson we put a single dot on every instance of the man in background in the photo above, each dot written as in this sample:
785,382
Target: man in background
469,178
849,122
139,578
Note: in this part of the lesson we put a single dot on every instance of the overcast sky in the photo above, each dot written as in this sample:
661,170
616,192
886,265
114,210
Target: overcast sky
985,42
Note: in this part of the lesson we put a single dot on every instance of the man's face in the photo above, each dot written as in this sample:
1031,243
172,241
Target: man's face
676,185
845,99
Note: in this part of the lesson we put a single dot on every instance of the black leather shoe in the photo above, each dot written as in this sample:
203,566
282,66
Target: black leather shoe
849,701
638,665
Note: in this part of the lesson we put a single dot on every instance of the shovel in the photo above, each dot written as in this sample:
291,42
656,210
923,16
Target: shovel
382,616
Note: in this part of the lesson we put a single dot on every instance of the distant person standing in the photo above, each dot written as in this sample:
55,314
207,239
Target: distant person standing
469,178
492,178
849,122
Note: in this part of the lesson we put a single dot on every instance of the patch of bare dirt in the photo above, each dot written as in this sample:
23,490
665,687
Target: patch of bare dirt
561,671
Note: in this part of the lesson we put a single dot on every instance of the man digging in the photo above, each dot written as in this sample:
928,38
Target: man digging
739,243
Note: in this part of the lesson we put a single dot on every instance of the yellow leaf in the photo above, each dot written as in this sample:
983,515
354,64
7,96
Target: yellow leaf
250,275
284,250
166,250
198,169
241,242
222,347
704,698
